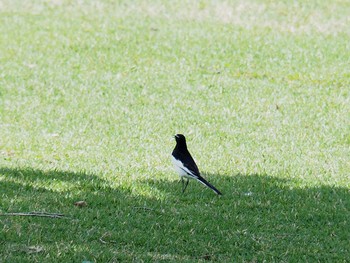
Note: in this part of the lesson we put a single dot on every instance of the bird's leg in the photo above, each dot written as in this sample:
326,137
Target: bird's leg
184,188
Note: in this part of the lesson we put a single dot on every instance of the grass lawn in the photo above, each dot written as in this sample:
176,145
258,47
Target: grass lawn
91,93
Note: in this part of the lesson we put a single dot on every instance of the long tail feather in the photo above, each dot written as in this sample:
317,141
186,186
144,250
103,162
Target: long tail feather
203,181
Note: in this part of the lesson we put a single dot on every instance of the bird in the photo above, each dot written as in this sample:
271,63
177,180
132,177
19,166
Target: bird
186,166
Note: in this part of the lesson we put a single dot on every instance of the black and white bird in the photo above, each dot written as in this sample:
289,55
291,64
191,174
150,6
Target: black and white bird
186,166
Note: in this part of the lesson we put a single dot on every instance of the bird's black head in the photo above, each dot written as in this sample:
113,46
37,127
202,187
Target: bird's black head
180,138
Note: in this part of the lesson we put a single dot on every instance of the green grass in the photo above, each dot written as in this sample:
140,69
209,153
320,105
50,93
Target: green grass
91,93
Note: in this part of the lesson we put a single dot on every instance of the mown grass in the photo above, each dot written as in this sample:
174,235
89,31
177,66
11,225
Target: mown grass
92,91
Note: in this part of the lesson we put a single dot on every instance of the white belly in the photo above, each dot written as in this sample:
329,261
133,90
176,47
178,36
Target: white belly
182,170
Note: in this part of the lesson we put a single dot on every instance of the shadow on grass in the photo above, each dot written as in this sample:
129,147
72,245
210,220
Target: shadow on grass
258,218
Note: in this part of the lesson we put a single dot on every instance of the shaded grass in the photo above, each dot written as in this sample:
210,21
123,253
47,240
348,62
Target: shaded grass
259,218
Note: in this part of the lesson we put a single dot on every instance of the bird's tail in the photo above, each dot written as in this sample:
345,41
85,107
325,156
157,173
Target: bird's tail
203,181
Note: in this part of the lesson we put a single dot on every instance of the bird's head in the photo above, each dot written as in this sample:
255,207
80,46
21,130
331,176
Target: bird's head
180,138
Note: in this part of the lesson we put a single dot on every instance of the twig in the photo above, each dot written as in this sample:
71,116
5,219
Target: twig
39,214
106,242
144,208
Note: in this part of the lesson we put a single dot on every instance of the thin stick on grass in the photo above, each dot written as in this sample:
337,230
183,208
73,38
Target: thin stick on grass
104,241
39,214
143,208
